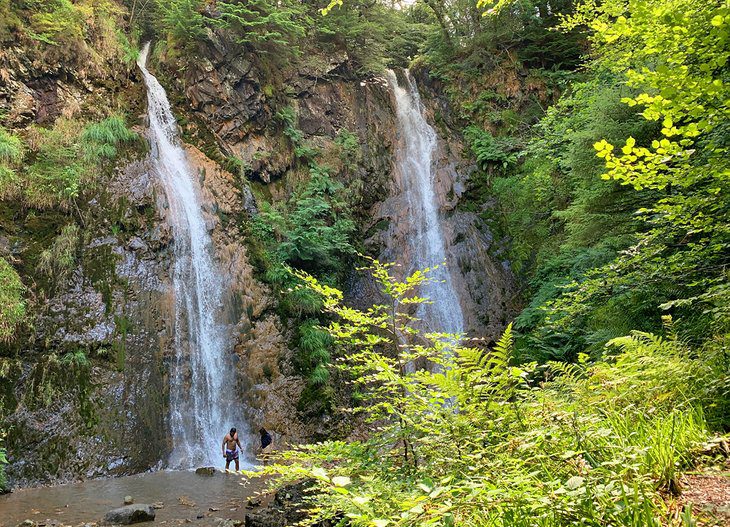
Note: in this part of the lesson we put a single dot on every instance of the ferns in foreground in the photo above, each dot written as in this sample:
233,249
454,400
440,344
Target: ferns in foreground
474,440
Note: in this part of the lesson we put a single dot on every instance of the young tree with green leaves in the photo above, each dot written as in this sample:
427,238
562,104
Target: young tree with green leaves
478,441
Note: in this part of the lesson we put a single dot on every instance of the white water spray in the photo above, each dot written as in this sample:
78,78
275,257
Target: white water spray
202,383
414,158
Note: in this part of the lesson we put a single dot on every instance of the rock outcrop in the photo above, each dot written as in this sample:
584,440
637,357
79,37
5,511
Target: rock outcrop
130,514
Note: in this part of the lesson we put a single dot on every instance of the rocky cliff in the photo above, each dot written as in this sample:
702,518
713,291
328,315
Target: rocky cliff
67,418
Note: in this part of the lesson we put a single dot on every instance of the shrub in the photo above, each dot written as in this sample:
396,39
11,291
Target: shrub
488,150
12,304
11,154
99,141
474,440
60,258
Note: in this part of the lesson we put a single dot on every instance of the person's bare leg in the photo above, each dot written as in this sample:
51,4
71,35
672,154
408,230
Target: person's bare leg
237,469
228,462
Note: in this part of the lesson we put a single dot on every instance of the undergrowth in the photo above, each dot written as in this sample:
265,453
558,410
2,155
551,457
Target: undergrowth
477,441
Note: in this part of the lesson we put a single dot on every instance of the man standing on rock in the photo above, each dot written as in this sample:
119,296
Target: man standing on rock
231,446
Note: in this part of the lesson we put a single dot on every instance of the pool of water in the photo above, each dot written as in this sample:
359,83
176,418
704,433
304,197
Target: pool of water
186,498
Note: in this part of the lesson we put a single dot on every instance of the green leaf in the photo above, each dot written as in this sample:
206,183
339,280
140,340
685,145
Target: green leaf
341,481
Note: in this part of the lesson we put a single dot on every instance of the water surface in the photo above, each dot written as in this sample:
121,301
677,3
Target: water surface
183,494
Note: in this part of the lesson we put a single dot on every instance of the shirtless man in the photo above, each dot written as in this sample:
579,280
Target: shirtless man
230,452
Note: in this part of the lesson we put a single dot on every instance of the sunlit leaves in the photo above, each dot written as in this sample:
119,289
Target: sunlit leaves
487,444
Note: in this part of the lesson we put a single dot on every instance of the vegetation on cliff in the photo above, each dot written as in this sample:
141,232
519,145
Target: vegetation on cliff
600,136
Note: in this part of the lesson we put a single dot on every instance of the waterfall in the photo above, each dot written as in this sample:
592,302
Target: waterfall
415,164
203,391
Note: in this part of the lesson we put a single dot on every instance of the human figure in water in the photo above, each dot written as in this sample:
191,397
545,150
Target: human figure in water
231,447
265,438
265,442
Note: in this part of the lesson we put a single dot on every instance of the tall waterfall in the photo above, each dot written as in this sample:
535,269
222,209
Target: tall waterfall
203,402
415,162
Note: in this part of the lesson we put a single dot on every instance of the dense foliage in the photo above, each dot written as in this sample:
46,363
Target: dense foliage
368,35
609,243
474,440
58,163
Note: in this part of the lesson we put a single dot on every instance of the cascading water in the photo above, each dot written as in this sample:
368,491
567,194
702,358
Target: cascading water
414,159
202,383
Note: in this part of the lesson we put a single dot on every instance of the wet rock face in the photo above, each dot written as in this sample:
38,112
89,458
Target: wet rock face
87,397
39,84
484,284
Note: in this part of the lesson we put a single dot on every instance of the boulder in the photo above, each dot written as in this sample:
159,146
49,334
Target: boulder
130,514
205,471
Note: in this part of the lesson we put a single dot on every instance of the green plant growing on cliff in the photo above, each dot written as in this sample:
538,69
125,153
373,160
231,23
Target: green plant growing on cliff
476,441
349,149
489,151
11,154
181,22
12,303
288,117
76,359
313,360
59,260
62,161
58,21
313,230
100,141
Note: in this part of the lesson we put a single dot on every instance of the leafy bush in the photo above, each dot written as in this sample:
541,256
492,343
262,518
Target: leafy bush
99,141
76,359
475,441
60,258
488,150
61,161
12,304
349,149
181,22
288,117
270,26
59,21
312,231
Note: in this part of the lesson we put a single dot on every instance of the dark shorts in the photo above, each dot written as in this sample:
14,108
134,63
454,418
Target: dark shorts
231,455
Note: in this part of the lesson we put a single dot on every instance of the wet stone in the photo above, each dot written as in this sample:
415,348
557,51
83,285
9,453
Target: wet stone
128,500
205,471
130,514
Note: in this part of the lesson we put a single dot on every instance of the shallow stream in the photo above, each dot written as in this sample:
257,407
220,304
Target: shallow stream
186,498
